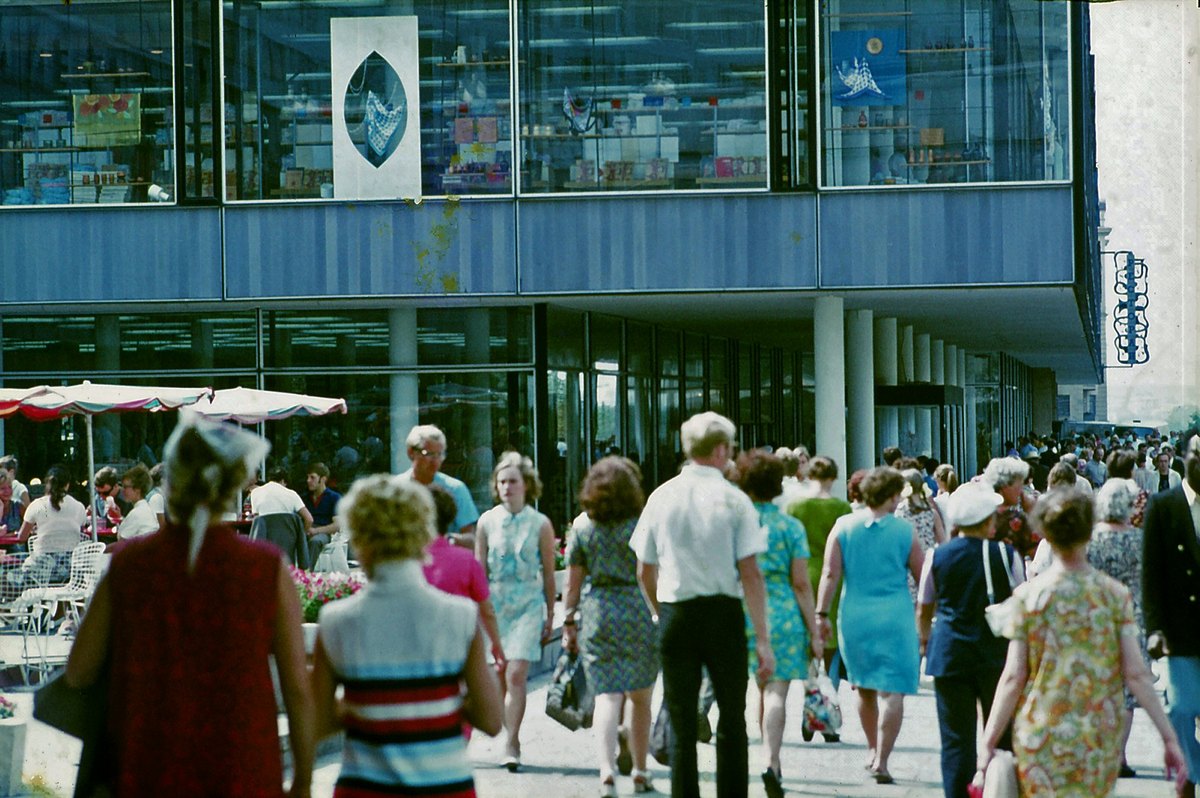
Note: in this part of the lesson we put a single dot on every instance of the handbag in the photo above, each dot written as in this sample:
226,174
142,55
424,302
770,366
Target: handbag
997,615
83,713
662,737
822,713
1000,780
568,700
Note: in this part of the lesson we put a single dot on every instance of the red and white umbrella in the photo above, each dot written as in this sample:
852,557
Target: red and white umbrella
89,399
253,406
11,398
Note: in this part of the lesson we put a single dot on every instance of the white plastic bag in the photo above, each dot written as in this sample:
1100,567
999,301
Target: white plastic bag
1000,780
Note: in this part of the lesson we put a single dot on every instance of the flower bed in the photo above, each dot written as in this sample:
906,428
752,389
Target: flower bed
317,590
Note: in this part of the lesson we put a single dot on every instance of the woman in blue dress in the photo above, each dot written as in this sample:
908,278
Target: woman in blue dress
784,566
870,554
515,544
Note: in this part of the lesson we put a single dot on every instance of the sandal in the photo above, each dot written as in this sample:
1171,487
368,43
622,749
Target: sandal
512,762
642,783
608,788
882,777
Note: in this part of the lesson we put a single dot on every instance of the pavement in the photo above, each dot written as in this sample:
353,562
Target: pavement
561,764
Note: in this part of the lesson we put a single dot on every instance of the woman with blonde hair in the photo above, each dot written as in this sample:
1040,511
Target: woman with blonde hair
613,626
188,620
403,676
515,544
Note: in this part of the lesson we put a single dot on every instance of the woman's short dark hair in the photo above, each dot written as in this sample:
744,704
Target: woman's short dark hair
1064,517
822,468
612,490
139,477
881,484
854,485
1120,463
445,508
760,474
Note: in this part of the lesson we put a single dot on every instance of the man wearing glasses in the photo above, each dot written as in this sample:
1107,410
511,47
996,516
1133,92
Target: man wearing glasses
427,451
109,508
141,520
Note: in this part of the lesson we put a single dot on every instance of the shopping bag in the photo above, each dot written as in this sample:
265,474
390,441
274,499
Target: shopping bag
568,700
822,713
1000,780
662,738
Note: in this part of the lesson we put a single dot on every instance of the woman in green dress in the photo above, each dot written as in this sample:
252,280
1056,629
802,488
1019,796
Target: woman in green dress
818,515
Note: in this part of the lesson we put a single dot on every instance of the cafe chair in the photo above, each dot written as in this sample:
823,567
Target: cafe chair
74,596
286,531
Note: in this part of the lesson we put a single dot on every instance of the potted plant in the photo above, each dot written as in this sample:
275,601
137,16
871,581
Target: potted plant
12,748
317,590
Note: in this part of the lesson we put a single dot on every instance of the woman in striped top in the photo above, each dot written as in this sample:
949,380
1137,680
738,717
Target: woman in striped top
402,650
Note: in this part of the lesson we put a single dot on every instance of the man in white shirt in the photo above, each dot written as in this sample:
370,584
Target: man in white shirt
276,497
1164,478
141,520
695,591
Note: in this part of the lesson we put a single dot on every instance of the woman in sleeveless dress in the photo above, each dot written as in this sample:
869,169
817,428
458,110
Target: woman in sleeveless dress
515,543
402,674
868,555
188,619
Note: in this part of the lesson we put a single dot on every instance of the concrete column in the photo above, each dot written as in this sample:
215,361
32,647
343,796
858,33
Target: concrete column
907,344
202,343
941,418
106,430
478,428
830,366
972,466
921,358
922,416
887,372
405,388
952,365
937,362
860,391
962,368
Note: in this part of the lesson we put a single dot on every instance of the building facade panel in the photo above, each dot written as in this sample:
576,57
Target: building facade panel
370,248
118,255
668,243
938,238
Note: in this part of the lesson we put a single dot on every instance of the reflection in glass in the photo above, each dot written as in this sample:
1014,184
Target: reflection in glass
642,95
606,421
85,95
920,91
563,474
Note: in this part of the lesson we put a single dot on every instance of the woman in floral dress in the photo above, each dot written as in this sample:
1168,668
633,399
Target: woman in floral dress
916,508
614,627
515,543
1073,641
1116,549
790,611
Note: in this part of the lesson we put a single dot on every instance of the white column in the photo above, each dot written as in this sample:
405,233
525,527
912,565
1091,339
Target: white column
921,361
830,365
907,344
887,372
923,416
937,362
478,429
952,365
972,465
405,399
860,391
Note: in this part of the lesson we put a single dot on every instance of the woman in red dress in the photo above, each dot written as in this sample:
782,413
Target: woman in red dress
186,620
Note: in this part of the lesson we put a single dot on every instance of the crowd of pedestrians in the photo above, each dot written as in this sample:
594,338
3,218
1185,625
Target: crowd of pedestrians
1034,605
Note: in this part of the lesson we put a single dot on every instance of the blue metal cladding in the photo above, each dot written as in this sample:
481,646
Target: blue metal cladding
1015,236
124,254
435,247
664,243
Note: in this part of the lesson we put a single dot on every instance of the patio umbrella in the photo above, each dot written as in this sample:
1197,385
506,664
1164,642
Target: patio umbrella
88,399
11,398
253,406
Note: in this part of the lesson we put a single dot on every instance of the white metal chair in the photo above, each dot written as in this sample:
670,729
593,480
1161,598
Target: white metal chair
85,575
28,613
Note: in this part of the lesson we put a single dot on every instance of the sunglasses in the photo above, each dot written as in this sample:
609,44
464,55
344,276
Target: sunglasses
431,455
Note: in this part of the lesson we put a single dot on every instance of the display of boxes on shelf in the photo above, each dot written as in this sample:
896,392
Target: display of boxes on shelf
113,194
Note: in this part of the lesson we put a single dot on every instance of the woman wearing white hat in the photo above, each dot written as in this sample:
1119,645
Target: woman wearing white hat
962,655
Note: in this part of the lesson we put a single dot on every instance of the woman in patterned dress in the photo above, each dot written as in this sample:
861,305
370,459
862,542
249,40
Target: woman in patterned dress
1007,477
515,544
916,508
1073,641
1116,549
615,630
790,611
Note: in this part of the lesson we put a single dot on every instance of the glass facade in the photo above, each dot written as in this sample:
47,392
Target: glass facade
642,95
935,92
99,100
86,111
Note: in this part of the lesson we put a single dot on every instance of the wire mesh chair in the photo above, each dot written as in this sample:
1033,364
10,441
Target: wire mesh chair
85,575
27,612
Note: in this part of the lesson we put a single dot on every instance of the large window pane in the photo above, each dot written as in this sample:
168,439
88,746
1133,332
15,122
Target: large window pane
85,102
642,95
921,91
279,132
110,343
562,476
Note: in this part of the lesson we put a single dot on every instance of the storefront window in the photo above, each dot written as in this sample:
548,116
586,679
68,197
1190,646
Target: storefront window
642,95
924,92
85,102
279,125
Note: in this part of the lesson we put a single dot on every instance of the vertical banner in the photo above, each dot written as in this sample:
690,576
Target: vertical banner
868,67
376,108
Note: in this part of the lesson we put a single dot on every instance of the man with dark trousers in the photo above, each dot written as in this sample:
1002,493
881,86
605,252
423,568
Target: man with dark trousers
1171,601
697,543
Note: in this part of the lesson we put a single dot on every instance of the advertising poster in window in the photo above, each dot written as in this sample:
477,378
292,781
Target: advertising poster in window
868,67
376,108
